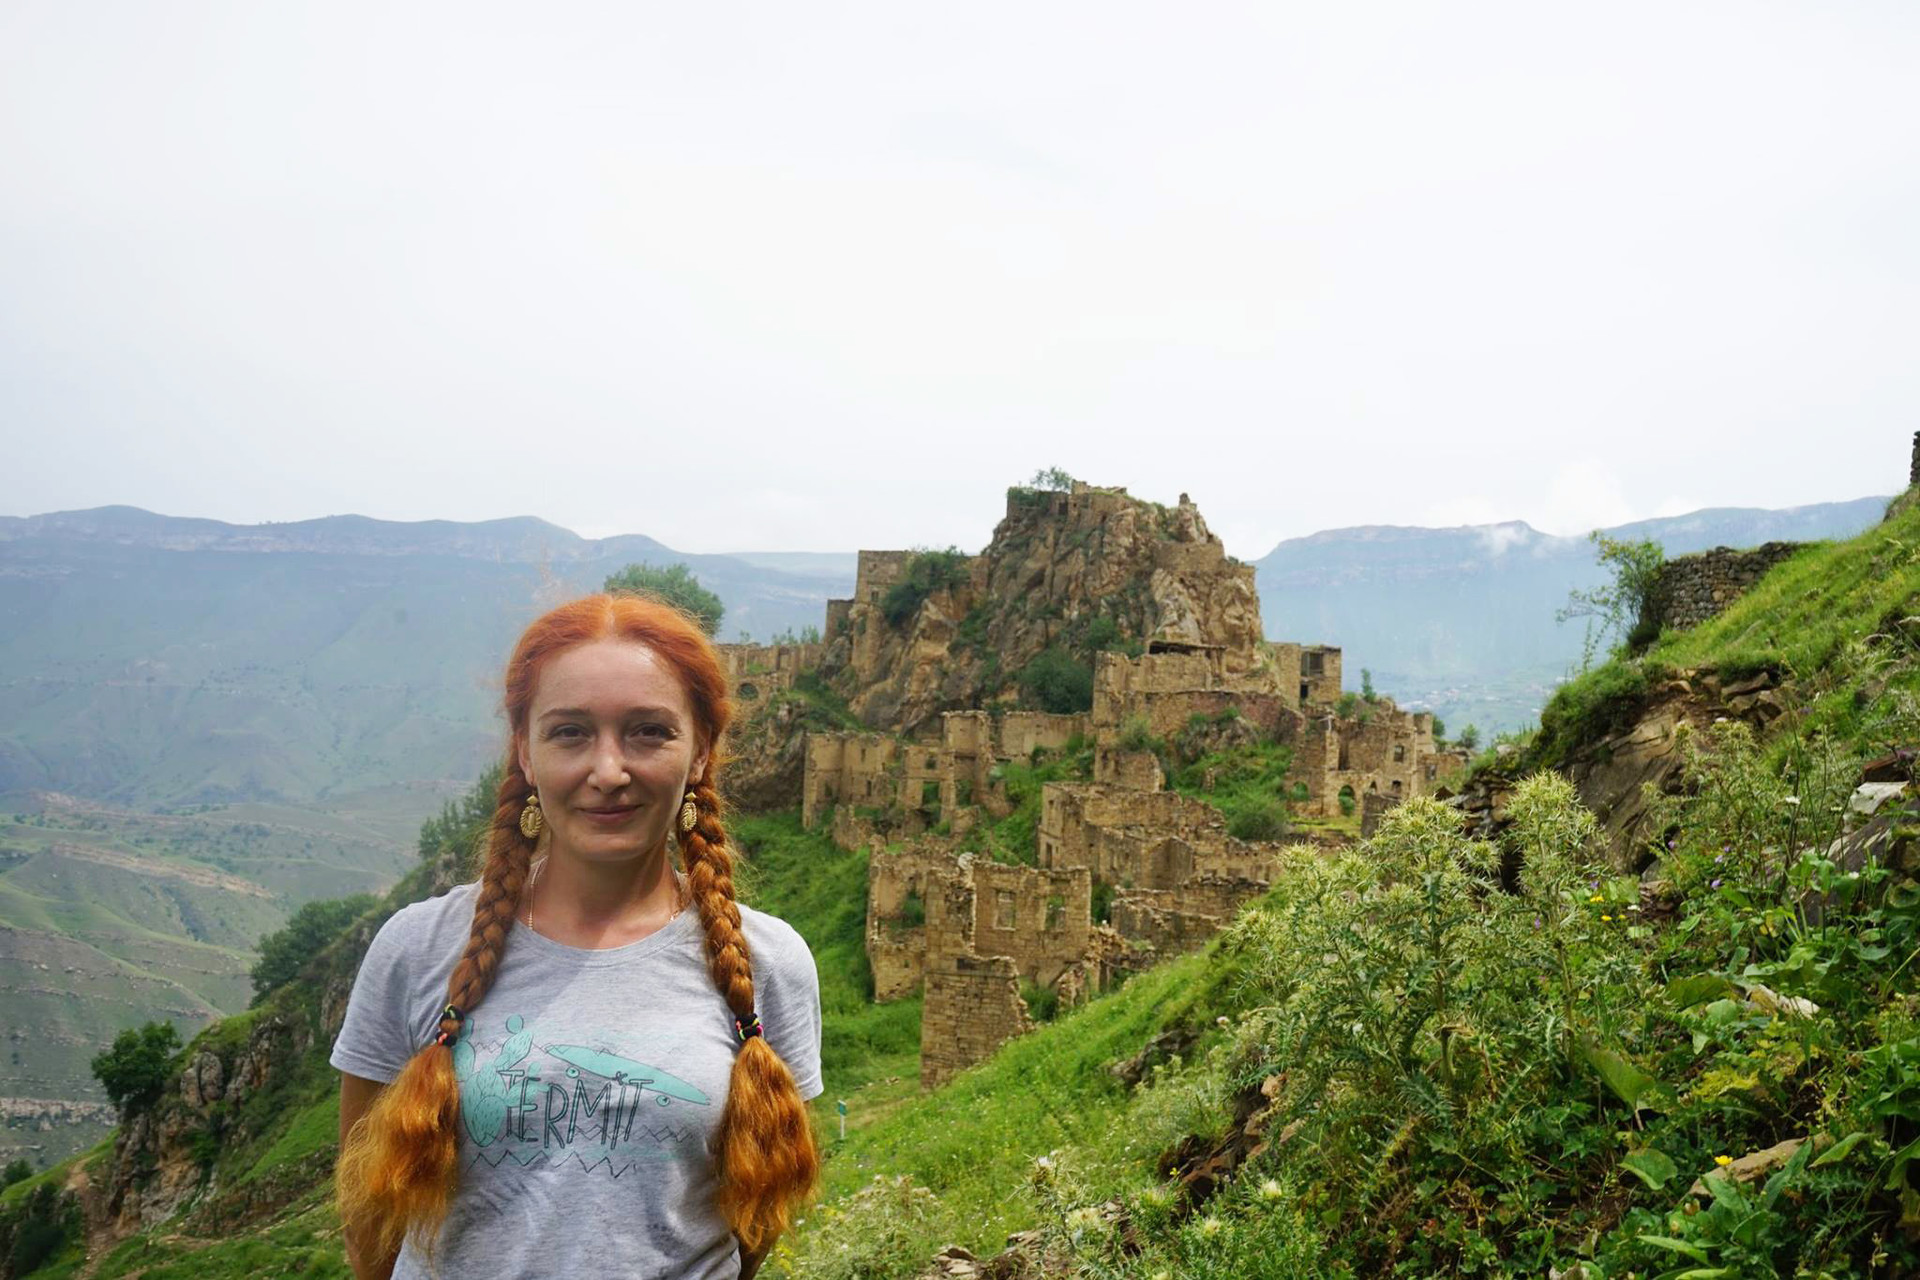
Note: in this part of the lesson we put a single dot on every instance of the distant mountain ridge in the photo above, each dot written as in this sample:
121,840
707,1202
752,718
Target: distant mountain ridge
159,660
1462,619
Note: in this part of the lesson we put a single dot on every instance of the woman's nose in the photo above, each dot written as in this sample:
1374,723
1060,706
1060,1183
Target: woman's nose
609,766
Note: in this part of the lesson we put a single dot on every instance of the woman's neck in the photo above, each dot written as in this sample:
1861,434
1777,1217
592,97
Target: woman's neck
594,905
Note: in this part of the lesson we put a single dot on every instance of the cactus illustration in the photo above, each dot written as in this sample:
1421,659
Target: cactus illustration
483,1094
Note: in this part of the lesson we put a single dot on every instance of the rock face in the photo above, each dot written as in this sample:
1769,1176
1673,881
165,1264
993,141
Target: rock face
1058,565
1614,775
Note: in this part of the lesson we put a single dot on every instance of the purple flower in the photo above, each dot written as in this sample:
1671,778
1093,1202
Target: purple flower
1719,858
1713,884
1669,842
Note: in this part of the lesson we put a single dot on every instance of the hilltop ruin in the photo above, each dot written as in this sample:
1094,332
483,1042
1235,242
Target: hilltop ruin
930,656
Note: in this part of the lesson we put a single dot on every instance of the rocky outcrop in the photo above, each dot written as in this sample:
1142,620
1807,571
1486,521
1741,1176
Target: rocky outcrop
1064,569
1615,774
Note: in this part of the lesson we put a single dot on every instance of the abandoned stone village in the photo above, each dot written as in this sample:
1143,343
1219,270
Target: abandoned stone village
1124,869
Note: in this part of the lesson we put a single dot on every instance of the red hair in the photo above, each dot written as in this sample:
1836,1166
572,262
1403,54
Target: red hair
396,1169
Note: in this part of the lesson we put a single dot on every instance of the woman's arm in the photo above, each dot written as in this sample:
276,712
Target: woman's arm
356,1095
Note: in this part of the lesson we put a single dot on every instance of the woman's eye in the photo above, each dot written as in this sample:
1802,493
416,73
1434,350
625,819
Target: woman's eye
566,731
649,731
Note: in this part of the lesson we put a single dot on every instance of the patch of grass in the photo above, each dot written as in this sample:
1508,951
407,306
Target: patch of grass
1011,839
1250,787
972,1142
799,876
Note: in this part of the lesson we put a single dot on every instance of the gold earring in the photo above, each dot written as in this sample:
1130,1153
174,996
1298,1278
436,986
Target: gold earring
689,813
531,819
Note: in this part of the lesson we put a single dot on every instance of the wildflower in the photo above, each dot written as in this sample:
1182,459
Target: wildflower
1211,1226
1597,898
1608,919
1723,1161
1269,1190
1721,857
1223,1021
1083,1218
1714,883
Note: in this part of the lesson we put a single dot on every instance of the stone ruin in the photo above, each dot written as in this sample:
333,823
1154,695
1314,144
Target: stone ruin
756,672
969,932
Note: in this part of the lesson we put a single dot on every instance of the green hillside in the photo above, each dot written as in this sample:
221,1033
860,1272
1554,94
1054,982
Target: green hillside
1428,1055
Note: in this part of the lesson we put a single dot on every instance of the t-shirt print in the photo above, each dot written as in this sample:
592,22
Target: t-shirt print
600,1102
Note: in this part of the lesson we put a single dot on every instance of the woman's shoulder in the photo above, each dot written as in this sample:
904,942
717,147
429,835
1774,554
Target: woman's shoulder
430,919
773,941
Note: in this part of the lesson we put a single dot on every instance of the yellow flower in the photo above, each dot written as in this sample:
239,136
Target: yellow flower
1723,1161
1598,897
1609,919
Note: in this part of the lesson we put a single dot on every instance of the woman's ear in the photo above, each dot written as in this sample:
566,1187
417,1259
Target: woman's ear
521,754
699,769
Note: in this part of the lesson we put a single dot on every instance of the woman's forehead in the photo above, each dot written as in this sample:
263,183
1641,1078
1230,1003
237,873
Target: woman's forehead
608,675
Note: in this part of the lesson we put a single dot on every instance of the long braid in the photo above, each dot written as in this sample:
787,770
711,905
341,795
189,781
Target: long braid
767,1160
396,1170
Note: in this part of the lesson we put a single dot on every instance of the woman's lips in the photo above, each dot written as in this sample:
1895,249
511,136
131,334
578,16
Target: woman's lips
610,817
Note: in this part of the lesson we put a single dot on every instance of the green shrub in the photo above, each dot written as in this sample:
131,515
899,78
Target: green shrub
1056,681
925,574
311,929
1261,820
133,1070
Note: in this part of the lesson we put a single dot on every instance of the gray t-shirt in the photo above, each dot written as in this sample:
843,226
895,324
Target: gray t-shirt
591,1083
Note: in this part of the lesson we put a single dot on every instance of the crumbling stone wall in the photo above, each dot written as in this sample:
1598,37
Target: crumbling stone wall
1374,807
1380,750
973,1007
1317,667
1172,920
1168,687
927,901
758,671
848,768
1690,589
927,780
1042,919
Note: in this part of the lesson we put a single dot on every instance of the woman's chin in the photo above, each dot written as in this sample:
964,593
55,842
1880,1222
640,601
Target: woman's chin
613,846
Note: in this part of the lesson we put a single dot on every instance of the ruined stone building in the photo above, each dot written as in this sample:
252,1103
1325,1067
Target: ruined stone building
969,932
758,671
931,776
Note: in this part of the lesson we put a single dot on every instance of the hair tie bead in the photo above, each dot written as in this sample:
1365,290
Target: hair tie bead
748,1027
447,1038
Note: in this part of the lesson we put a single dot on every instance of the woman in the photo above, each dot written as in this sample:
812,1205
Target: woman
588,1062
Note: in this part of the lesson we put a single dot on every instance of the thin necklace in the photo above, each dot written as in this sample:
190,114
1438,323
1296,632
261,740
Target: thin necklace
679,895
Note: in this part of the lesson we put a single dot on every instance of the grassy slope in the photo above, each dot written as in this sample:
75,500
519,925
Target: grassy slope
1798,621
972,1143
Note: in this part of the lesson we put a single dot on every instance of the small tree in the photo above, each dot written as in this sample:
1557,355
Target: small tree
1055,479
674,584
134,1069
17,1171
1366,686
1620,606
311,928
1470,737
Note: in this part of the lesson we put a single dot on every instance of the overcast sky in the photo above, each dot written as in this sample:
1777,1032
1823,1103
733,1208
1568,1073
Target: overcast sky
818,277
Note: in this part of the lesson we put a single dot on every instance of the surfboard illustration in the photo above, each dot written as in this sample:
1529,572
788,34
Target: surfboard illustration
614,1067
